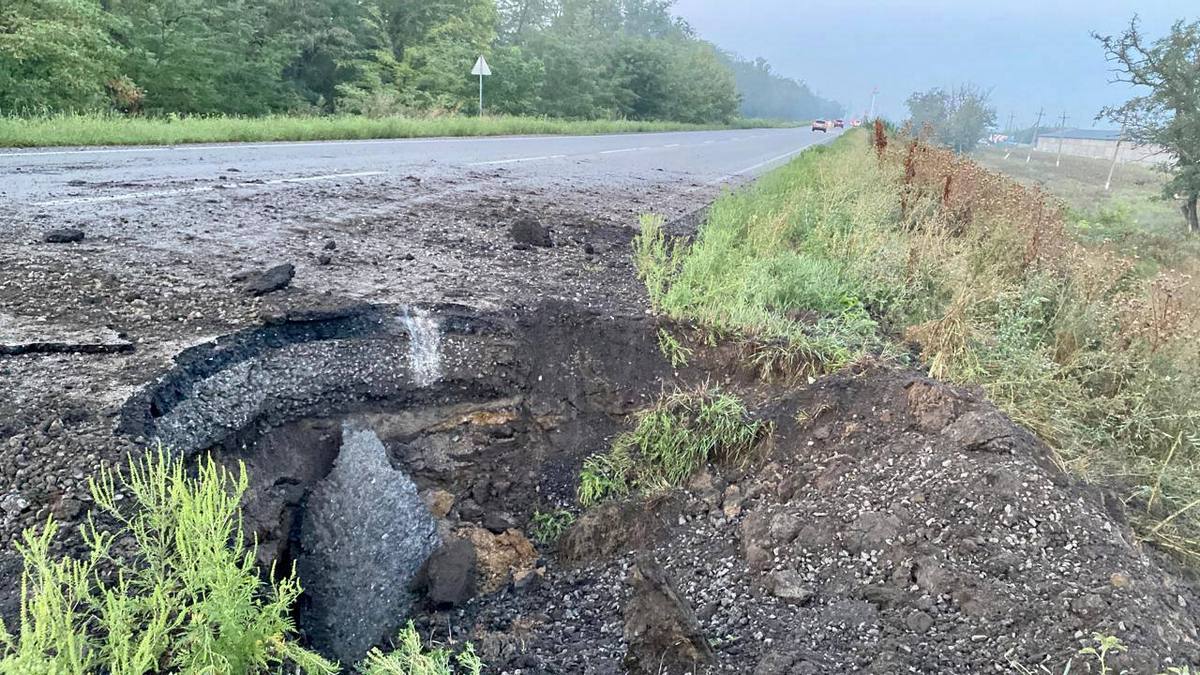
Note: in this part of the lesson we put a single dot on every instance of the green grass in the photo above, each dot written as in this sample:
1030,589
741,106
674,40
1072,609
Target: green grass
547,527
190,601
189,598
768,266
411,657
101,129
671,441
836,256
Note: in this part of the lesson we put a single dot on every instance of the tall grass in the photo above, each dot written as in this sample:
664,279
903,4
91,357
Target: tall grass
772,266
848,251
109,129
186,599
189,601
1133,217
671,440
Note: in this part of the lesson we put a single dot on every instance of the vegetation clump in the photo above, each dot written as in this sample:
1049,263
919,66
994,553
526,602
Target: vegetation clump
842,254
411,657
670,442
186,598
547,527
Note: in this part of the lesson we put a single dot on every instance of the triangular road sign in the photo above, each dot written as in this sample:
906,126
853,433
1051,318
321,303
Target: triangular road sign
481,67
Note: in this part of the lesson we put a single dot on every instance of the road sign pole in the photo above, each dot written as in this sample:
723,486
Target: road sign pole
481,69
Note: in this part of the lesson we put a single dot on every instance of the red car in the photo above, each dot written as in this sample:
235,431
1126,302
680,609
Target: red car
839,124
820,125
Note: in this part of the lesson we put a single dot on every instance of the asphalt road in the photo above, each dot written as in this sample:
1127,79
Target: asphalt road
78,180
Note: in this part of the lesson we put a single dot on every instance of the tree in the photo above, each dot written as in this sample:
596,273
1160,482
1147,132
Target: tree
204,56
970,118
928,111
768,95
436,68
957,118
516,86
568,58
518,17
1168,113
55,55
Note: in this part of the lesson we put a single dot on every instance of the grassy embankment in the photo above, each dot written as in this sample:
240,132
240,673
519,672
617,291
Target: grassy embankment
1133,216
847,253
76,130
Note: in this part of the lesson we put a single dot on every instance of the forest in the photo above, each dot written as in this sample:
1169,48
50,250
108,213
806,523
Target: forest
574,59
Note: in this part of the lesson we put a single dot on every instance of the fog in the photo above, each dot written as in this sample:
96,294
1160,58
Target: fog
1030,53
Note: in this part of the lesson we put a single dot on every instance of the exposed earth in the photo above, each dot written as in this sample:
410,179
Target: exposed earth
489,332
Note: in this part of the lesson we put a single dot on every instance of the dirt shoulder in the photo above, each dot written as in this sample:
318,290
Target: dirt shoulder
894,525
891,524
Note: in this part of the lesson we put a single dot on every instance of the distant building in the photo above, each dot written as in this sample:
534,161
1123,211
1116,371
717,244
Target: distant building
1100,144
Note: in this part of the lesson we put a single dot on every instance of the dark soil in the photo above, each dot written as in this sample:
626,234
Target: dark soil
890,524
903,526
104,342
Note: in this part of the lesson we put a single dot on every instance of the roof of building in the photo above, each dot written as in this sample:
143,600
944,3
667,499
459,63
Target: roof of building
1085,134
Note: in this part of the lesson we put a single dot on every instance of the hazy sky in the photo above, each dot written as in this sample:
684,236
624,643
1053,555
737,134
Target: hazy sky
1030,53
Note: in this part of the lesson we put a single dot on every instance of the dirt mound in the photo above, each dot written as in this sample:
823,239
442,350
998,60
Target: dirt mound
898,525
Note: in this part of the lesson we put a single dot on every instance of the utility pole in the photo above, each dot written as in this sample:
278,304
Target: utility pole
1116,153
874,92
1062,127
1008,131
1037,127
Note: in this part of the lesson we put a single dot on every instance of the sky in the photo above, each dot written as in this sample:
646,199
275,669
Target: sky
1031,54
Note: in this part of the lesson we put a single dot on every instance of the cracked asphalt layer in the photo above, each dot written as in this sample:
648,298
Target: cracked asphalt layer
166,229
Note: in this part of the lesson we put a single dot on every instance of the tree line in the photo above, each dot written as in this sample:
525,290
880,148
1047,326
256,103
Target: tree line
565,58
958,118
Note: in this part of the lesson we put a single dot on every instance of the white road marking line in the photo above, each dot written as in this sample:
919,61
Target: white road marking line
671,145
296,144
151,194
330,176
124,197
731,176
517,159
770,161
613,152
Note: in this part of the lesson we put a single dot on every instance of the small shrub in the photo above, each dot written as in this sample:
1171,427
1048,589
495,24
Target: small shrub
548,527
410,657
880,138
189,601
671,440
656,256
675,351
1105,645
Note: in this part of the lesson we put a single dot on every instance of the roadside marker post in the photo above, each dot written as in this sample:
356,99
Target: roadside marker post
481,69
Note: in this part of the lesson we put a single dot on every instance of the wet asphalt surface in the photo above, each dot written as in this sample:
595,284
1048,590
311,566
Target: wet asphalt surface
56,180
